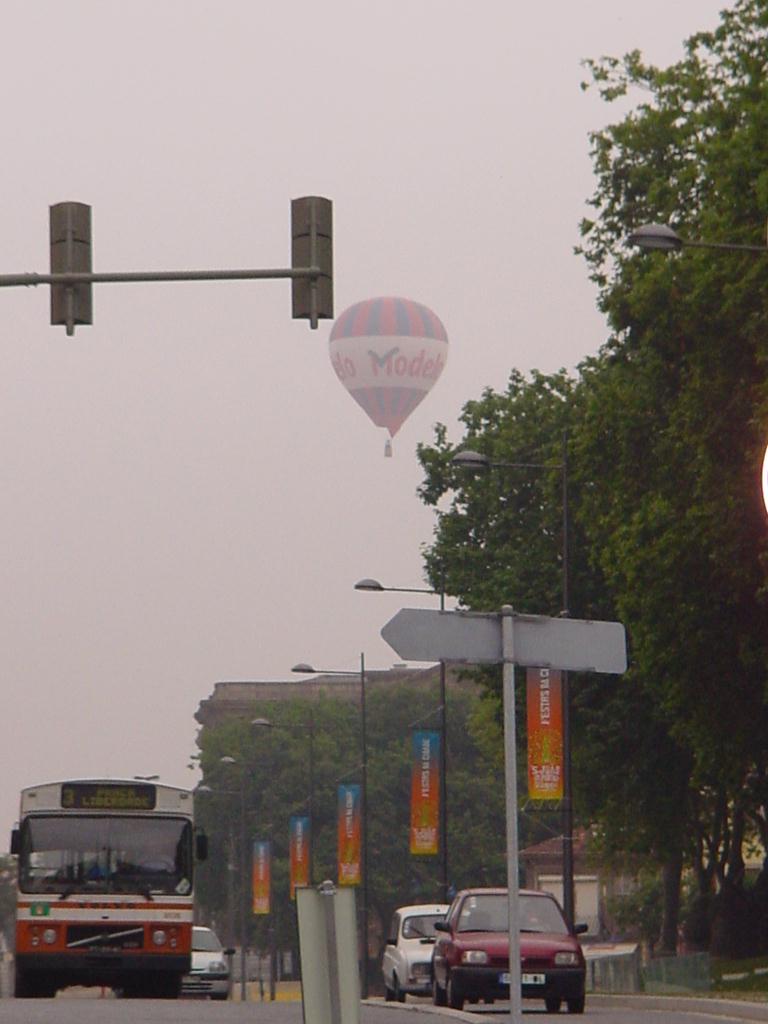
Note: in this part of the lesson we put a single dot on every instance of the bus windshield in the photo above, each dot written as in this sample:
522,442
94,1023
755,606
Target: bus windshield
99,854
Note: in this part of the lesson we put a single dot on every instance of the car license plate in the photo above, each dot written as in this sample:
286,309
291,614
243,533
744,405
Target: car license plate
527,979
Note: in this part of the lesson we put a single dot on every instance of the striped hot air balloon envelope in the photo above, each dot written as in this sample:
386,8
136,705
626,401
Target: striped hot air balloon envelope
388,352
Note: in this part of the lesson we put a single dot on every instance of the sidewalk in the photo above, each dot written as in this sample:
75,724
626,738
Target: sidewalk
285,991
734,1008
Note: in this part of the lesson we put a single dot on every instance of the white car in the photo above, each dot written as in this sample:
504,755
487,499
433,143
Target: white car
209,975
407,962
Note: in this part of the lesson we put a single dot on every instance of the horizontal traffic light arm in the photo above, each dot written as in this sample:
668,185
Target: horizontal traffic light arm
32,279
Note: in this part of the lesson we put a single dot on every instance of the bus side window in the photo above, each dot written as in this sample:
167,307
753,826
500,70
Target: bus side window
15,842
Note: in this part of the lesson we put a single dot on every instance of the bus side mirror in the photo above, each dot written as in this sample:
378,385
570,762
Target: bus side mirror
201,846
15,841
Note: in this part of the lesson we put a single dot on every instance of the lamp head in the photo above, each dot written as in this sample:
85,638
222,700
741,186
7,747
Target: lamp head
656,236
368,584
467,459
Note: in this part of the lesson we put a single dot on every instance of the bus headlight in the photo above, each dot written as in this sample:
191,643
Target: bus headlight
159,937
49,936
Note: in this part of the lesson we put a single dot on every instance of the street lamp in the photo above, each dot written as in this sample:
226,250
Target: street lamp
229,760
264,723
202,789
374,586
309,728
307,669
473,460
660,236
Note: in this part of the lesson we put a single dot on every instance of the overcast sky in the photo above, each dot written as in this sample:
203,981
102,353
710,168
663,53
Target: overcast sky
189,494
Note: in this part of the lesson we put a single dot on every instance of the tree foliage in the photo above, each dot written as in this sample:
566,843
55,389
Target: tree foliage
276,782
666,430
675,423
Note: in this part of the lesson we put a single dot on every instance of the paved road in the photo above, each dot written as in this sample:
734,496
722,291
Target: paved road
75,1010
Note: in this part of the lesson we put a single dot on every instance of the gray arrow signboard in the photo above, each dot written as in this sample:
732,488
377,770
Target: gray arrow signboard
575,645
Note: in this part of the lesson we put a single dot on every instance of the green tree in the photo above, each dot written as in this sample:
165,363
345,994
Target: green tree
666,434
277,785
477,554
499,541
674,422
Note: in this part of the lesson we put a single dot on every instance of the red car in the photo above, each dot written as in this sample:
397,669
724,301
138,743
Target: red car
470,961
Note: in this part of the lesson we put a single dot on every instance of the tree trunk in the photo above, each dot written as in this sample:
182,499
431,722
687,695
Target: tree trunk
670,915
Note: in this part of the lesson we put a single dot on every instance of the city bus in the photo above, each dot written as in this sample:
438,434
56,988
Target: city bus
105,887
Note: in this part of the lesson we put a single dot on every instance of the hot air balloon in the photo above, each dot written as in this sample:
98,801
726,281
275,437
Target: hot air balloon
388,352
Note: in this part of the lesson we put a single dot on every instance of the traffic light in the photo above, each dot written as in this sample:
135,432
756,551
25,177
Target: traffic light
312,246
70,225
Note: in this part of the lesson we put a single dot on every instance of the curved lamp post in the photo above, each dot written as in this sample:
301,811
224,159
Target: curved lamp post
660,236
265,723
307,669
472,460
374,586
309,728
228,760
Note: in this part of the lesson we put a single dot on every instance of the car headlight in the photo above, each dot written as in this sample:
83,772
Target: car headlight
216,967
474,956
159,937
566,959
49,936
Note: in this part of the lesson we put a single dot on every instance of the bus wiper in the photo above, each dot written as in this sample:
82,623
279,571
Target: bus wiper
67,891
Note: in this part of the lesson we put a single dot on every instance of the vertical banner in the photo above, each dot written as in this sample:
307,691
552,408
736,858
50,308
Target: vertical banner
262,875
545,734
299,851
349,833
425,793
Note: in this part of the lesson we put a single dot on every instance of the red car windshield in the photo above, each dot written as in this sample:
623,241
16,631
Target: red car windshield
487,912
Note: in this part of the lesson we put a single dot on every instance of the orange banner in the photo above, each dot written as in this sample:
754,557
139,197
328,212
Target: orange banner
545,734
299,852
349,833
262,875
425,793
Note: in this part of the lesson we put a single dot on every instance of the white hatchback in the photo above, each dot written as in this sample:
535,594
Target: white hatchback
407,962
210,973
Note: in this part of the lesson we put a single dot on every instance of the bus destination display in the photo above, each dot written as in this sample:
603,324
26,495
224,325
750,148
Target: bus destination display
100,796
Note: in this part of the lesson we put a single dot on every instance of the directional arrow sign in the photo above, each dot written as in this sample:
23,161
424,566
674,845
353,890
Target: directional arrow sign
576,645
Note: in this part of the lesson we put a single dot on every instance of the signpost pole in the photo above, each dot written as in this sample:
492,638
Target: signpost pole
578,645
510,784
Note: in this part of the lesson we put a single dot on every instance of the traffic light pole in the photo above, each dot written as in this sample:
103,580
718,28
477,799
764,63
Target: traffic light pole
71,278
